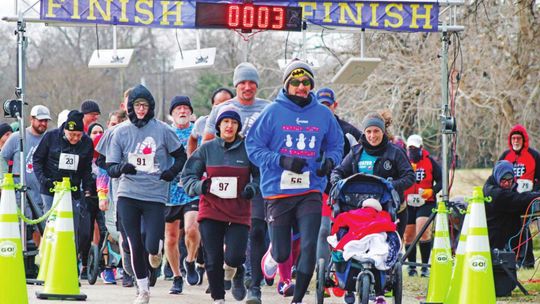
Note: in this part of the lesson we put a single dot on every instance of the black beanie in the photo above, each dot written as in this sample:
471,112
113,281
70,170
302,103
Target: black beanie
4,128
92,126
74,121
180,101
89,106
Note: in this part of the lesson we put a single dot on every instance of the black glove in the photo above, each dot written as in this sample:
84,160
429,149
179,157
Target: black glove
205,188
128,168
167,175
294,164
248,192
49,184
326,167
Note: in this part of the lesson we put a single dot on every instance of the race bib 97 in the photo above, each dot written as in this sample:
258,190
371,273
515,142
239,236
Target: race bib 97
524,185
224,187
68,161
415,200
291,180
142,162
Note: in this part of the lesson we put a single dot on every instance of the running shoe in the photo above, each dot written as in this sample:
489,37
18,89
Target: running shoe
107,276
424,273
412,272
349,297
200,269
127,281
155,260
142,298
285,288
380,300
269,266
254,295
178,285
192,276
238,287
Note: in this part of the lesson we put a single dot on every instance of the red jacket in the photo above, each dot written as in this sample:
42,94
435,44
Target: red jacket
428,173
526,161
362,222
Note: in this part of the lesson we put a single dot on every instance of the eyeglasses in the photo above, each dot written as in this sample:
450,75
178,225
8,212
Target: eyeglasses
141,105
296,82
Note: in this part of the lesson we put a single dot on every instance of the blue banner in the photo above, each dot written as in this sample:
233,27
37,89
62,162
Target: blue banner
420,16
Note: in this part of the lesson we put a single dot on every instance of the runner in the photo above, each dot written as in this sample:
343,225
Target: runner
224,213
139,155
246,82
181,208
421,200
91,112
295,142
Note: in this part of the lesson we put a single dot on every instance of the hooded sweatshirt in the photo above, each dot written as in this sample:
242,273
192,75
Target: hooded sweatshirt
526,161
284,128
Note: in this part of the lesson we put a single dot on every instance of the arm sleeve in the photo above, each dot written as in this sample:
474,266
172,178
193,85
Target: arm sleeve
102,184
87,181
193,171
437,176
180,158
344,169
405,172
40,158
258,142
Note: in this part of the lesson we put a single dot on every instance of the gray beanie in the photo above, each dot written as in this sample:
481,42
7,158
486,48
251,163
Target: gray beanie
245,71
296,69
373,120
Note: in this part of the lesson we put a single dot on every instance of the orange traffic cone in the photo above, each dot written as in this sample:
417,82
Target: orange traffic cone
62,280
477,284
13,278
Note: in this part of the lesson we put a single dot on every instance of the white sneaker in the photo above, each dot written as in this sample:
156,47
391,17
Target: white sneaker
220,301
142,298
155,260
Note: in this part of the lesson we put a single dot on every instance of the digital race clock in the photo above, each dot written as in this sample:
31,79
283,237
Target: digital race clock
247,17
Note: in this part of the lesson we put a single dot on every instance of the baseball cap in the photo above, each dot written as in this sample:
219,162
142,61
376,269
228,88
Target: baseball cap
414,140
40,112
326,95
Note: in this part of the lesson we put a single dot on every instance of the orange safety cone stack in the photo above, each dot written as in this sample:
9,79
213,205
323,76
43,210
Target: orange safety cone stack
441,258
62,280
477,284
12,275
455,282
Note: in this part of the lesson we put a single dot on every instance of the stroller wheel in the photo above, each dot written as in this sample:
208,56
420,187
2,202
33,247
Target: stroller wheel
94,258
363,287
397,282
321,268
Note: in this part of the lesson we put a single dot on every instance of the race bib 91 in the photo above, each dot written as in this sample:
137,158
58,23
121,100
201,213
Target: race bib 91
68,161
142,162
415,200
524,185
291,180
224,187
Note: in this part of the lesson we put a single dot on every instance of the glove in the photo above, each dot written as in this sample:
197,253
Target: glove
167,175
205,187
294,164
326,167
49,184
425,193
128,168
248,192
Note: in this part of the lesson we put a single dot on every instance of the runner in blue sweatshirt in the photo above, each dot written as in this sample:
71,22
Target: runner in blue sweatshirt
295,142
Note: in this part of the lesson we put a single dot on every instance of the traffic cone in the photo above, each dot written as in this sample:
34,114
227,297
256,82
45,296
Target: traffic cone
62,280
44,251
12,277
455,282
477,284
441,258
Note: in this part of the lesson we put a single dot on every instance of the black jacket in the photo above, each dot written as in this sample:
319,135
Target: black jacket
503,213
47,156
392,162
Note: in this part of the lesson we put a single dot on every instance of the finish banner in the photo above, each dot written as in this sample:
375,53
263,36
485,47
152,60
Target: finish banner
404,15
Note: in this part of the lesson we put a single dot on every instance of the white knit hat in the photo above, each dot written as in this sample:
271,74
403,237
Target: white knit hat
373,203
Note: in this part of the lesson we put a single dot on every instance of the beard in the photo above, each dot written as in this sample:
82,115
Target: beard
181,120
516,147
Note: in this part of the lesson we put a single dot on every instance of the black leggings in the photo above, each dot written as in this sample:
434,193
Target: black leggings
132,212
308,225
214,235
86,227
257,237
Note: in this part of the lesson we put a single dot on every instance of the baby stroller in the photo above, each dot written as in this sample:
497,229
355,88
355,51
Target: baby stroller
357,275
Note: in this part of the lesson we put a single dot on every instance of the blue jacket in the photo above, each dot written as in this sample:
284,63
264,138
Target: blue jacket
284,128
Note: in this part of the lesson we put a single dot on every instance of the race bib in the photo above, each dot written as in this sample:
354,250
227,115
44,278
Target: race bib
415,200
524,185
224,187
68,161
142,162
291,180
